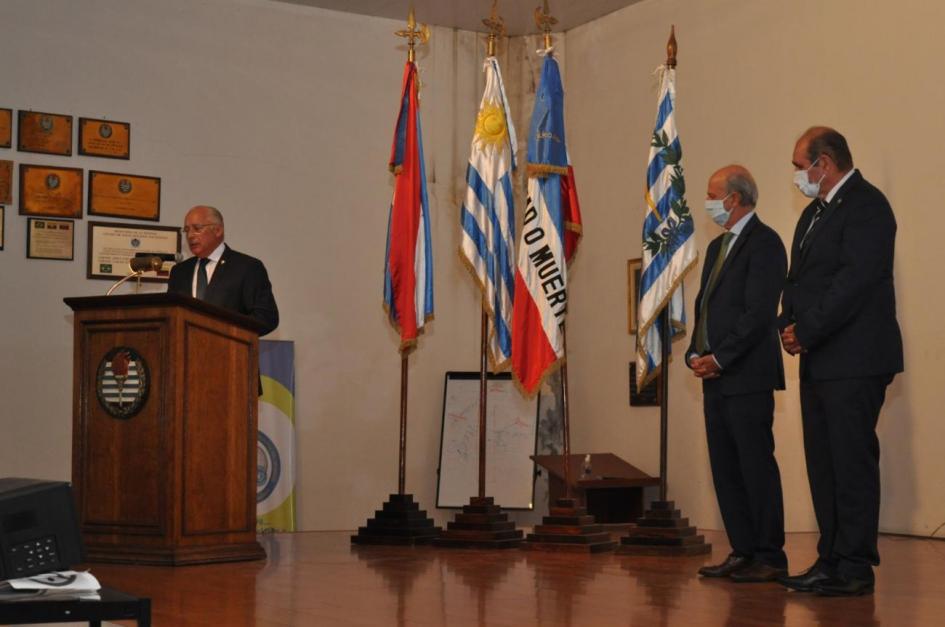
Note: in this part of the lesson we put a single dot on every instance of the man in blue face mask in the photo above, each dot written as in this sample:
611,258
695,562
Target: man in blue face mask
735,352
839,315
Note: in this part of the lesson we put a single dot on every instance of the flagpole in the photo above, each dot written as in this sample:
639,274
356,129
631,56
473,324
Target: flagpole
666,334
566,426
496,27
483,394
412,34
402,462
400,520
663,530
482,524
545,21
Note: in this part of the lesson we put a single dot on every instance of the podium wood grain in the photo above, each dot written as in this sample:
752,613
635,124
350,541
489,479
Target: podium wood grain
174,484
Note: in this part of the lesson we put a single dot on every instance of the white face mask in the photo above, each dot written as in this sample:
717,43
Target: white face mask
802,181
716,210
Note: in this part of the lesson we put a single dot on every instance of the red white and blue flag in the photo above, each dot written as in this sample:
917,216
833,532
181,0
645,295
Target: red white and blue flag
408,261
550,234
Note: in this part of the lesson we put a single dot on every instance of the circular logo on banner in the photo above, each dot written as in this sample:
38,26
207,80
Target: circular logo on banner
52,181
104,131
268,467
124,186
121,383
46,123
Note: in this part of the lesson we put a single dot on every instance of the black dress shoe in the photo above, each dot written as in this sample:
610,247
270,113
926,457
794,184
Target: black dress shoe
758,573
806,581
732,564
841,586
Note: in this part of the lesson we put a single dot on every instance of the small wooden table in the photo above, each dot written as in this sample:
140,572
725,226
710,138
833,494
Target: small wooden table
612,493
113,605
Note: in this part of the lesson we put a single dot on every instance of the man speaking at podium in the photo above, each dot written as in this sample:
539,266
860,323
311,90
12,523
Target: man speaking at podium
221,276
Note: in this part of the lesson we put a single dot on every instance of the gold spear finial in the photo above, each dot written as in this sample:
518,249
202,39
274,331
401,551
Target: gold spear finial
496,27
545,21
671,48
413,34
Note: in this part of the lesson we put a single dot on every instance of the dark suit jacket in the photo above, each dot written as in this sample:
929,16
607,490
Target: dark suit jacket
840,287
743,311
239,283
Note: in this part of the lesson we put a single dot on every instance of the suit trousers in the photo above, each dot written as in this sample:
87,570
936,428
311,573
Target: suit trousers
745,473
842,452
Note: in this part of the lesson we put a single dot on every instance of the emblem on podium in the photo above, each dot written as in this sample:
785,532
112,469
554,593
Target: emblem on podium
122,382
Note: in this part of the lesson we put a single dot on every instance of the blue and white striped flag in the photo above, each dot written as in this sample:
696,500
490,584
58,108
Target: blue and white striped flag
487,216
669,249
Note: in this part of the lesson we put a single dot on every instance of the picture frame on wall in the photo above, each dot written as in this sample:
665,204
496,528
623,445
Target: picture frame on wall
50,239
118,195
111,245
634,267
6,128
45,133
51,192
104,138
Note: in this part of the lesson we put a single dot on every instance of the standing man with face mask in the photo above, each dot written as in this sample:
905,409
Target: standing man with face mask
735,352
839,315
221,276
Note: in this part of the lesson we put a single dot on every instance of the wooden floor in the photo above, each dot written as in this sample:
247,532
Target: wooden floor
313,579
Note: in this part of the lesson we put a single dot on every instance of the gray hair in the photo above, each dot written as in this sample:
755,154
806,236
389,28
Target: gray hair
744,184
215,214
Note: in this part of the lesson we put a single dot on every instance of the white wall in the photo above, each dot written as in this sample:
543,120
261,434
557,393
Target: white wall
752,76
282,116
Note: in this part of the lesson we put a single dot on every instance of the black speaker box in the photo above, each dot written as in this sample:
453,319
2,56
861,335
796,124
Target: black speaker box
39,531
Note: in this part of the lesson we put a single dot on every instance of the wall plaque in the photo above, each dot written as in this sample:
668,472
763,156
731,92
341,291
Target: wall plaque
6,182
49,191
124,195
6,128
104,138
50,239
47,133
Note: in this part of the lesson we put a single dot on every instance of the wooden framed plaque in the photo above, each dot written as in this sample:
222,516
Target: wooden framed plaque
50,192
124,195
113,244
50,239
47,133
6,182
104,138
6,128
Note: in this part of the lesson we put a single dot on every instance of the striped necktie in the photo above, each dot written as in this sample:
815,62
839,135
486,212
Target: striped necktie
821,206
702,333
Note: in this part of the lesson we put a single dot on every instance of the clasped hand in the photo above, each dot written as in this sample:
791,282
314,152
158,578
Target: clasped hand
790,342
705,367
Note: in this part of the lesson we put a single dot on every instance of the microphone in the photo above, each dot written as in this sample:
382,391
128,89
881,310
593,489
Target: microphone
146,263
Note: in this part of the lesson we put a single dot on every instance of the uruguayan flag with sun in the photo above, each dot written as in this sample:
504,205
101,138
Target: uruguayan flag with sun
488,215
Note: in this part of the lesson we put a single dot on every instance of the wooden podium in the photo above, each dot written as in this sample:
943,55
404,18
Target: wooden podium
165,393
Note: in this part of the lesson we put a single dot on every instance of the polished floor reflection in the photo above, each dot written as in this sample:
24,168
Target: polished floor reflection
320,579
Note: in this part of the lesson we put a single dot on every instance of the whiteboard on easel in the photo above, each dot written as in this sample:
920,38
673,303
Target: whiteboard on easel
511,432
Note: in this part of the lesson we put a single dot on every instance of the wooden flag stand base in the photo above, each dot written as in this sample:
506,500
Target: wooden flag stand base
401,522
663,531
569,529
482,525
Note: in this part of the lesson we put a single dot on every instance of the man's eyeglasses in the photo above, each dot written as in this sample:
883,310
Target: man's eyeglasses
197,228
